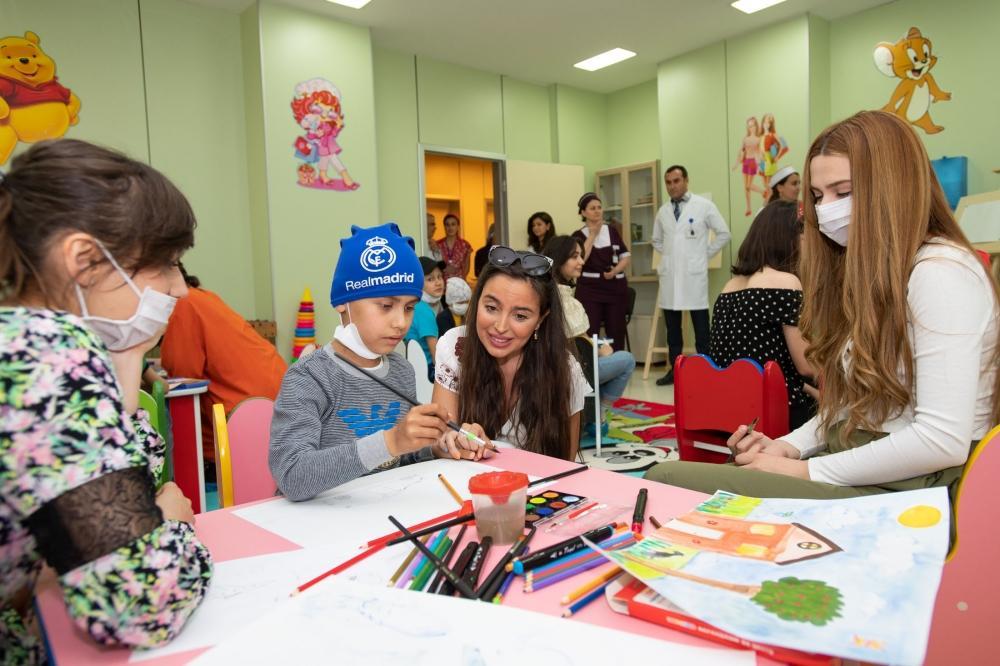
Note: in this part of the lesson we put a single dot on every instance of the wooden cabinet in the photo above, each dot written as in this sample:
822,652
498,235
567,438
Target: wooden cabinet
631,197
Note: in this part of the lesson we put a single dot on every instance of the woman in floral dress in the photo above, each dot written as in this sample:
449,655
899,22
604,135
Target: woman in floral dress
89,241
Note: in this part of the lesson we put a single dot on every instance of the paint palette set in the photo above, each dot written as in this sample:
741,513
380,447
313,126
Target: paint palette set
544,507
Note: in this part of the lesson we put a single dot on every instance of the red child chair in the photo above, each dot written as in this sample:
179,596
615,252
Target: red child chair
712,402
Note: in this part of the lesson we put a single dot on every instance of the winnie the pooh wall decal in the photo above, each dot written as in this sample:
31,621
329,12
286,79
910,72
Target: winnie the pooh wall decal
910,60
318,112
33,104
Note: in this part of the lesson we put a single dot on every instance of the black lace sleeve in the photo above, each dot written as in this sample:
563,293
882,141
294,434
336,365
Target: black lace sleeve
95,519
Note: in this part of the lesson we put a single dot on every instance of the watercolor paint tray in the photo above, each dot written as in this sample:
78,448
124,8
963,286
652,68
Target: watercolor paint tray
545,506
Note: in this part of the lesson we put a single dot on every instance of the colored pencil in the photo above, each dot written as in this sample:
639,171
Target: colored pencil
492,583
608,575
595,594
441,566
407,576
439,578
498,597
425,564
339,568
402,567
458,520
451,424
555,551
451,489
655,522
447,589
471,575
420,580
384,539
534,583
575,470
583,555
639,515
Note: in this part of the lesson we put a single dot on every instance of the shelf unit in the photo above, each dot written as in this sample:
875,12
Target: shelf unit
631,197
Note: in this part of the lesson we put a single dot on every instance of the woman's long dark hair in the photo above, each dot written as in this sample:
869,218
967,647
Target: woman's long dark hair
533,242
541,389
773,240
559,250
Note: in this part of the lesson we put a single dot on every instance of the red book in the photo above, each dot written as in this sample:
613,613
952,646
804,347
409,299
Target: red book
635,599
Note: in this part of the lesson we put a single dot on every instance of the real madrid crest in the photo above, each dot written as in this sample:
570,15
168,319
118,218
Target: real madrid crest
378,256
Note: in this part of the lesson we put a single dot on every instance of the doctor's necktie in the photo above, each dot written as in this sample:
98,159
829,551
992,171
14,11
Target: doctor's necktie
677,208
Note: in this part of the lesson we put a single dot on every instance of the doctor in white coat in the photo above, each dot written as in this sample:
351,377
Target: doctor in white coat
680,235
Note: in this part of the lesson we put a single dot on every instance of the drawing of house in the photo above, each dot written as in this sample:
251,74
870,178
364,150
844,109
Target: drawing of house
780,543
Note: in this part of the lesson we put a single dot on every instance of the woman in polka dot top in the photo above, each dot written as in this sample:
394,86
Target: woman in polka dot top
757,314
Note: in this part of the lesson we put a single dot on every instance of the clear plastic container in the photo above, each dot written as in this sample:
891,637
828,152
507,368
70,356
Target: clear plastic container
498,499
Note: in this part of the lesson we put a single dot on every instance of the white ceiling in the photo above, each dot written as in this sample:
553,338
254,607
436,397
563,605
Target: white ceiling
539,40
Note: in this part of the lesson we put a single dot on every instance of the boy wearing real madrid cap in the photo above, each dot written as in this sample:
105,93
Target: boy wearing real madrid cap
332,422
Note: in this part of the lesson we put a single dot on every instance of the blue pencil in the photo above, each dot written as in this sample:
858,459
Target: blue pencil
498,599
580,556
598,592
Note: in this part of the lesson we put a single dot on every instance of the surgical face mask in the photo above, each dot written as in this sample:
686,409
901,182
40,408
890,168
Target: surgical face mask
149,320
350,337
835,219
460,308
427,298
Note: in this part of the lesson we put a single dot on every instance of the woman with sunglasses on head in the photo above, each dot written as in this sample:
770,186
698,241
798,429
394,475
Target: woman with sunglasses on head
901,319
509,368
614,368
89,248
602,286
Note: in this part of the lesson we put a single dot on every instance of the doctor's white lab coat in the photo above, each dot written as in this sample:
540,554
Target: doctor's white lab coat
685,250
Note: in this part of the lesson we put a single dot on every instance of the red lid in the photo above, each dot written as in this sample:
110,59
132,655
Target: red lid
498,485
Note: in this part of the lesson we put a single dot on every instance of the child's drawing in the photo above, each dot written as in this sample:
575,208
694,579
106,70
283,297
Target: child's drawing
851,578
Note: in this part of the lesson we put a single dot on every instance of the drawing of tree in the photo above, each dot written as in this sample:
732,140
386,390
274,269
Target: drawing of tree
789,598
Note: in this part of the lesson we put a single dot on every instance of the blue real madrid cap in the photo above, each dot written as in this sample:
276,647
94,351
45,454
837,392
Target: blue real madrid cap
373,262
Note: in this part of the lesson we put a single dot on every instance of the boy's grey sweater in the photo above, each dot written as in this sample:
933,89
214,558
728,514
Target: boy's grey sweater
329,422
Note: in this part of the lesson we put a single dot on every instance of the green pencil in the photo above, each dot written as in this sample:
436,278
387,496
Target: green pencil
424,573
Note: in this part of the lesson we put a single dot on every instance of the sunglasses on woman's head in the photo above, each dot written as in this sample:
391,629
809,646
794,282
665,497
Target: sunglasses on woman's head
535,265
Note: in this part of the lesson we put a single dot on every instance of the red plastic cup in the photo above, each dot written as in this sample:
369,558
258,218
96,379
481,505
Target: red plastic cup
498,499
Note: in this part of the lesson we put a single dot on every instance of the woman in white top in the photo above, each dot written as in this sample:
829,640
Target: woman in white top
509,368
901,318
614,368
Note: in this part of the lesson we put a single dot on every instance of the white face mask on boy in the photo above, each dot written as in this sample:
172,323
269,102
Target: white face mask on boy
350,337
835,220
149,320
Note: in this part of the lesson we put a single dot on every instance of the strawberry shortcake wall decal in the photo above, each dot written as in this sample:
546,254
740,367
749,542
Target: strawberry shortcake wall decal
320,116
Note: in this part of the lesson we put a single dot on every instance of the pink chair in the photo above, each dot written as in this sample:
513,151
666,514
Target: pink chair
241,446
967,611
711,402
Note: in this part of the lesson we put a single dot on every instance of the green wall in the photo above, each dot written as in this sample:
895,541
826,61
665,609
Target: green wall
767,71
692,108
459,107
964,34
180,109
633,127
108,79
819,76
197,135
306,224
581,120
527,130
396,122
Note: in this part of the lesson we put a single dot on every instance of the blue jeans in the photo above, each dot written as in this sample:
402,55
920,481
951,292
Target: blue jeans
614,372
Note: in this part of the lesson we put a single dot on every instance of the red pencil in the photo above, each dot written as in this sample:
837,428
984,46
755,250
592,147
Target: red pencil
581,510
383,540
339,568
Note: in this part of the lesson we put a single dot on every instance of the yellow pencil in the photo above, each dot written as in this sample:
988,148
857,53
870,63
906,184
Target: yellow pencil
406,563
451,489
592,585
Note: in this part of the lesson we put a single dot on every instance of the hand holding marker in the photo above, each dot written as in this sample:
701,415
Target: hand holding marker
472,437
732,456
